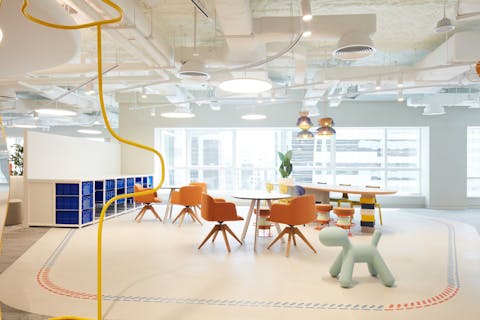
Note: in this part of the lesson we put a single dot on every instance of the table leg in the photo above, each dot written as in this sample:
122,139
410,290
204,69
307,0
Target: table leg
168,209
257,210
277,225
367,211
247,221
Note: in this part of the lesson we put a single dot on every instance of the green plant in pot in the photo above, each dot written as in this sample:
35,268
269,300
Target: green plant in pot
286,167
17,160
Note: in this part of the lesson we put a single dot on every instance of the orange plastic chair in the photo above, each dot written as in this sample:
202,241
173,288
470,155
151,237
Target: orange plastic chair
204,189
147,201
220,211
187,196
300,210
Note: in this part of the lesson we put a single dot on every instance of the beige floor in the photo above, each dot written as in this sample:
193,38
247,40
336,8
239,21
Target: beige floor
154,271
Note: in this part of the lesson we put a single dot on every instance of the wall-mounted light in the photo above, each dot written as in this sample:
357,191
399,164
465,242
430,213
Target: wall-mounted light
378,84
400,97
152,112
1,35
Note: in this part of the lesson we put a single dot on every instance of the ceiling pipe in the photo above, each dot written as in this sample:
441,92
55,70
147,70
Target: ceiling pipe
149,55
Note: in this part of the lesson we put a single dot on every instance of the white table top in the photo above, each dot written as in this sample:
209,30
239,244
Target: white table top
260,195
171,186
348,189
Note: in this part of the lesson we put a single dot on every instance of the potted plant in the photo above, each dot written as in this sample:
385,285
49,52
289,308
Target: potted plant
286,167
17,159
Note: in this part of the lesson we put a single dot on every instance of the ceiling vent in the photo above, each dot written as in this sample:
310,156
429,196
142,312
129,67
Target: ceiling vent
193,70
354,45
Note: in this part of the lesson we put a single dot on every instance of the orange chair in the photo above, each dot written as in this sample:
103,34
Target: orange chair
147,201
300,210
204,189
187,196
220,211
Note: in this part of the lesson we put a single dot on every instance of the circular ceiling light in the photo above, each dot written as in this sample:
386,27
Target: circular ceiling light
56,112
245,85
254,116
355,45
89,131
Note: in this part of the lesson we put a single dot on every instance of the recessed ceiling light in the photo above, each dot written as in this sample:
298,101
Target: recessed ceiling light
89,131
178,114
254,116
56,112
245,85
307,33
25,126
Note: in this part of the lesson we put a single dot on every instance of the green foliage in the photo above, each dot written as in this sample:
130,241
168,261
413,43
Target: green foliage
17,159
286,163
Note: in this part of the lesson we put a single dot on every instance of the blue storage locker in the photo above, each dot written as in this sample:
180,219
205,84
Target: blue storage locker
66,217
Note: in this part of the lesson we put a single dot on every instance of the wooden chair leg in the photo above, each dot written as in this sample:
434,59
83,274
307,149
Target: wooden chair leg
293,238
214,230
140,214
194,216
178,216
225,237
289,241
182,217
233,234
151,208
214,236
280,235
300,234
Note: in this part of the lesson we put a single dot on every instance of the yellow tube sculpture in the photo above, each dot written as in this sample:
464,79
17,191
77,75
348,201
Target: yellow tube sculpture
98,25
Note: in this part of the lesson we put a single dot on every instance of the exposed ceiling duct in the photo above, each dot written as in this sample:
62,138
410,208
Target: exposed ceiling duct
460,51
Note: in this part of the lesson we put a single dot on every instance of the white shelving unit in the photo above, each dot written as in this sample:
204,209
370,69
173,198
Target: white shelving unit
78,202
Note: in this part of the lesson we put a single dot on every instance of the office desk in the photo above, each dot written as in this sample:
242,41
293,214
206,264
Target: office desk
367,197
256,197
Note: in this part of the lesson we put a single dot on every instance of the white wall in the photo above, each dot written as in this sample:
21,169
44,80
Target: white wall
48,156
447,137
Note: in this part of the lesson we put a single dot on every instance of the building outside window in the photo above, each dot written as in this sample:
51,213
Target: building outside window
473,162
244,159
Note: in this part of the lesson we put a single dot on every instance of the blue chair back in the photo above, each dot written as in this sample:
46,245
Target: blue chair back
299,190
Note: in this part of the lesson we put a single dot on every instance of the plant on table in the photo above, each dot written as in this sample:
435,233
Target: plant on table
286,167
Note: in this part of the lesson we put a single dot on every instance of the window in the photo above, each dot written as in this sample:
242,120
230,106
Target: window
473,162
239,159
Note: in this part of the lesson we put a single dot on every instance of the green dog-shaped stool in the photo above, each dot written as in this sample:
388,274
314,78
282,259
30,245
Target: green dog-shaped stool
351,254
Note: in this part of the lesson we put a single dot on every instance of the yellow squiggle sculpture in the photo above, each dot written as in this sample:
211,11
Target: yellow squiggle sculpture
99,24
